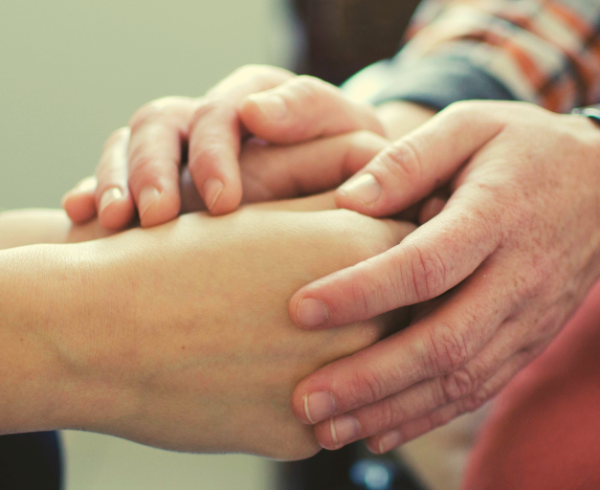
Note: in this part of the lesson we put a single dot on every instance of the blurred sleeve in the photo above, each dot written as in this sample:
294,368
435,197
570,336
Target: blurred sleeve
546,52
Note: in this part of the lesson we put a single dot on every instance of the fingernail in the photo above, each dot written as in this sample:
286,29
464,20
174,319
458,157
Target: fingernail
319,406
272,106
86,185
109,197
344,429
312,313
148,197
363,188
212,190
389,441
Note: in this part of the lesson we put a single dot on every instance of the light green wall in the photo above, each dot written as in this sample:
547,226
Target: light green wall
71,71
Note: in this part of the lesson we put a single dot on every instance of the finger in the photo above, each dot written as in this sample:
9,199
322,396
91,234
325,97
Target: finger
79,202
467,382
304,108
438,344
191,201
216,134
113,201
412,429
433,206
412,167
158,131
435,258
283,172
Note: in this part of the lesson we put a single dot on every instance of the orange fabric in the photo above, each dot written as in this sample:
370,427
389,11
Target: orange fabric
544,431
530,46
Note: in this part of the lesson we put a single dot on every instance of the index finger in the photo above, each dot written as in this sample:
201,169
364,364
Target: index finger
439,344
436,257
412,167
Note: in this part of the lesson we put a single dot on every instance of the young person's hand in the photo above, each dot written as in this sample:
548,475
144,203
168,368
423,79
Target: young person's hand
179,336
139,167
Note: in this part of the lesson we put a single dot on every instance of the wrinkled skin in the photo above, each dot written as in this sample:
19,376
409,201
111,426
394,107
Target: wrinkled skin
508,260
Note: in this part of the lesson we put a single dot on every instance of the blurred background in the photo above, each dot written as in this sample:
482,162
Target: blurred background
71,72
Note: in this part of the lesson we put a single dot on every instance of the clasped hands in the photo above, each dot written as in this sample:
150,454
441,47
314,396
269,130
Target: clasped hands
507,195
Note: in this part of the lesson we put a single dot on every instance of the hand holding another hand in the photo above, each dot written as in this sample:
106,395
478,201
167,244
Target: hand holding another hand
139,167
506,263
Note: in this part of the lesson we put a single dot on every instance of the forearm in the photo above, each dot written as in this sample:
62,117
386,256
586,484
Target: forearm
31,226
33,293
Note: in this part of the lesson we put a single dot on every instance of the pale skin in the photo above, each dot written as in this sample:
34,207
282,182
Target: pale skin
517,243
147,154
178,336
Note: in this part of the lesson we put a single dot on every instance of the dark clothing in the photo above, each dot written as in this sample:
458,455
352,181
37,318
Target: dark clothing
31,462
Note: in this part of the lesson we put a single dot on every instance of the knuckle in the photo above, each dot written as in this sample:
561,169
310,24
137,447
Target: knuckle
429,273
306,89
401,160
152,110
449,349
141,164
389,414
477,399
115,137
457,385
366,387
534,281
360,298
372,296
209,105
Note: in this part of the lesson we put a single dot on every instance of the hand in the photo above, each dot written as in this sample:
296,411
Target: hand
271,173
509,259
267,102
181,337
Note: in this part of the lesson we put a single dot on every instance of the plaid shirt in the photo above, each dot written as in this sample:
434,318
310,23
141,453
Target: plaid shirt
542,51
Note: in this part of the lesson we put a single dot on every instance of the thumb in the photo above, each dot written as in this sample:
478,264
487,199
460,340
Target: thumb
283,172
414,166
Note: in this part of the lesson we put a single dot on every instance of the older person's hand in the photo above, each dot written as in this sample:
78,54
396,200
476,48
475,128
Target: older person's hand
509,259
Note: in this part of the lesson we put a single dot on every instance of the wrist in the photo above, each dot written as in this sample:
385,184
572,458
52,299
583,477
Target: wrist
59,336
90,343
37,304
